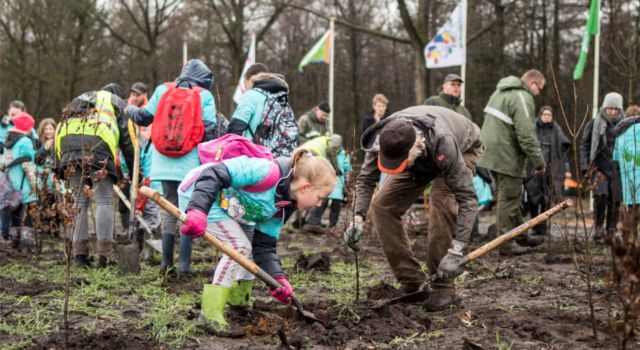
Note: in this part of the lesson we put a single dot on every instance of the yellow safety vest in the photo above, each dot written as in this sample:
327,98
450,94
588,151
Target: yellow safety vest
318,145
102,123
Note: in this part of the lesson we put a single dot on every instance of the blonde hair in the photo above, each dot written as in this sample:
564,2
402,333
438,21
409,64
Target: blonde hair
43,124
379,98
317,170
533,75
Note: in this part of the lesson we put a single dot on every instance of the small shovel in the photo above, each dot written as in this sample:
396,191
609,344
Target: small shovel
129,254
232,253
422,292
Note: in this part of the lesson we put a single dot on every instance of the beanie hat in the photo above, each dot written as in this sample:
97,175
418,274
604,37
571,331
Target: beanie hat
612,100
396,140
324,106
23,121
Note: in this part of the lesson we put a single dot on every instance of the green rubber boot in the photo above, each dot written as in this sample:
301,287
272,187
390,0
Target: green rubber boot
240,296
214,299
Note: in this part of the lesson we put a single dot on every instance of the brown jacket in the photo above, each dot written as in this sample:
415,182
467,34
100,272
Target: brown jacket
448,135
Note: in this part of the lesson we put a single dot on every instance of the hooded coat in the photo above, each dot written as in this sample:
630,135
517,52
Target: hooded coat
75,149
195,72
310,126
627,154
448,101
555,146
508,132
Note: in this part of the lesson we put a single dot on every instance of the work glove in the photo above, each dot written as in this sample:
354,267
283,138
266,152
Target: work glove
195,225
284,293
353,234
450,265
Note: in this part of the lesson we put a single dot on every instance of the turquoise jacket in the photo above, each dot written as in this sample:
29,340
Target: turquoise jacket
250,111
167,168
146,150
23,147
627,154
343,161
235,204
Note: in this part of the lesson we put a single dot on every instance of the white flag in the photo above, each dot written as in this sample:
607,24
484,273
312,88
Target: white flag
251,59
447,48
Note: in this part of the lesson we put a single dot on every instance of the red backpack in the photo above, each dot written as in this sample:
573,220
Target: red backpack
177,125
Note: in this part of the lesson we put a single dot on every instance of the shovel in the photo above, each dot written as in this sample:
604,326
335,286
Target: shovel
156,244
488,247
129,254
232,253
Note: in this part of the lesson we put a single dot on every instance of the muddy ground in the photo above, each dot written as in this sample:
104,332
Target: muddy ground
536,301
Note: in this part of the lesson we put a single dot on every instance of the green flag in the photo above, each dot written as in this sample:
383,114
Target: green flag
591,29
319,53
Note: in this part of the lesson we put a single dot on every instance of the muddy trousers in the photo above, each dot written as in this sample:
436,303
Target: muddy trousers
606,209
387,208
239,237
104,216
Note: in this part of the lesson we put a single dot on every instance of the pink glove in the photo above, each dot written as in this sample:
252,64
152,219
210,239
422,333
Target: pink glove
284,293
196,224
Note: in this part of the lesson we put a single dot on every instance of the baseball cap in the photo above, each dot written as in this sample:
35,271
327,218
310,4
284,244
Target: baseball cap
139,88
453,77
396,140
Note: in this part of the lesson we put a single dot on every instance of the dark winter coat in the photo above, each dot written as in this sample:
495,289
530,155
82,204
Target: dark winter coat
78,148
555,148
596,153
448,135
369,119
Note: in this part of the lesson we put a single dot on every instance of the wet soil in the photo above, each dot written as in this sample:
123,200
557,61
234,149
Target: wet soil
103,339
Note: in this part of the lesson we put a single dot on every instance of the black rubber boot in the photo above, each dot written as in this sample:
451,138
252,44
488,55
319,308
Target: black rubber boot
168,241
82,261
439,301
102,262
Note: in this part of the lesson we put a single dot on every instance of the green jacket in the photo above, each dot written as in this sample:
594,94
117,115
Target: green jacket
509,132
309,127
448,101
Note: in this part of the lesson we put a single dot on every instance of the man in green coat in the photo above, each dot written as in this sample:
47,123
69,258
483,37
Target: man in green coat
449,97
509,135
314,122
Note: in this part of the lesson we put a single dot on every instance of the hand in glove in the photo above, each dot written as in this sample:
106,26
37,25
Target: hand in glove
195,225
450,265
353,234
284,293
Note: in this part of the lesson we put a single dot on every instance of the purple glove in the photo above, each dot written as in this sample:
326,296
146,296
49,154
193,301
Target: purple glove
284,293
195,225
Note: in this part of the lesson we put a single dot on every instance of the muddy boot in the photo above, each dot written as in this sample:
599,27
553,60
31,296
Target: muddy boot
512,249
214,299
240,297
102,262
167,254
15,240
82,261
184,256
440,300
526,240
313,228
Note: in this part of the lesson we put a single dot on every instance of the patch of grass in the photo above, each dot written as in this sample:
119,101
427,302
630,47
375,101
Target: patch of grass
563,306
532,281
38,320
510,309
500,345
412,341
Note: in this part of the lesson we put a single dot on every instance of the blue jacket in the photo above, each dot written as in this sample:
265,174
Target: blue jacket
218,192
343,161
627,154
19,146
195,72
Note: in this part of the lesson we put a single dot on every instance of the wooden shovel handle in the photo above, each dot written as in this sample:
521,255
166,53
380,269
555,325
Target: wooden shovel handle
221,246
516,232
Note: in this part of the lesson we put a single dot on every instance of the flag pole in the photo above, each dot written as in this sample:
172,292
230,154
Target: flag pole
331,55
184,52
463,68
252,48
596,66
